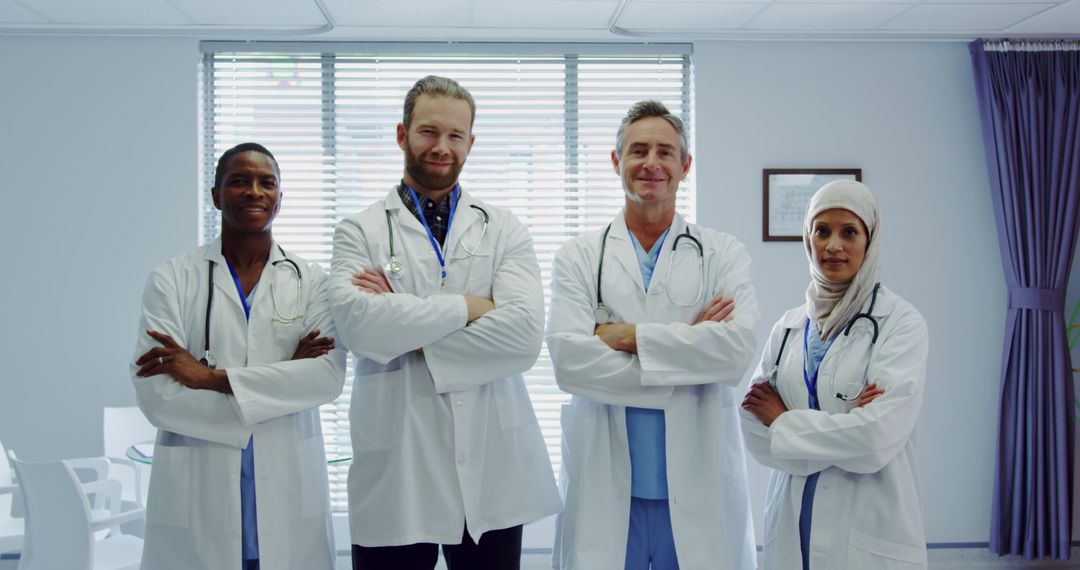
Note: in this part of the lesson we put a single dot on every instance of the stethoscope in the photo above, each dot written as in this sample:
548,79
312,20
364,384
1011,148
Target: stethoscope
395,268
847,332
208,359
603,315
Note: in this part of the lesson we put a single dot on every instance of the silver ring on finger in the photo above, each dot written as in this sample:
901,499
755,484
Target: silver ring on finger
160,360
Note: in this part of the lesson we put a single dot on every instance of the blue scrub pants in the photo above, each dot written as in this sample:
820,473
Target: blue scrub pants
251,564
650,541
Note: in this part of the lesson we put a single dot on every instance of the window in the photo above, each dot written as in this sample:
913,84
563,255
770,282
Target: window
545,126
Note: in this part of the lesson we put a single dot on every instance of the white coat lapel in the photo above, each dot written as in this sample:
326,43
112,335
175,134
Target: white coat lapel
660,273
464,218
403,217
225,286
620,247
412,247
274,276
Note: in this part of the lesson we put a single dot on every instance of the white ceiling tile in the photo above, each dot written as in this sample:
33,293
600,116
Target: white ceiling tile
999,2
963,17
817,17
1063,19
291,13
403,13
120,13
574,14
658,16
14,13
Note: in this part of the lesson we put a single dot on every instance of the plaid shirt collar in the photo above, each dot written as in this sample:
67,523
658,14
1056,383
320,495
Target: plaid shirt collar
437,214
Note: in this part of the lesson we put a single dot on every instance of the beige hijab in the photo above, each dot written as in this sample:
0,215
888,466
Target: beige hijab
831,304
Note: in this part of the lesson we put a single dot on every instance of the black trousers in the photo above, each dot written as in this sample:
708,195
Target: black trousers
497,550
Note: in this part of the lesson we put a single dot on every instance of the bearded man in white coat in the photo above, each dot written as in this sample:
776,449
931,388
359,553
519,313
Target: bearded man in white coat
235,354
651,327
438,295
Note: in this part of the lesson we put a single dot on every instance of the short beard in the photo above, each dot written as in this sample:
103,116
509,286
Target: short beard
427,180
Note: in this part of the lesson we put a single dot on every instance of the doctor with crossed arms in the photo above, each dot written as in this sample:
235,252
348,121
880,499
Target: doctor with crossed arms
438,295
651,327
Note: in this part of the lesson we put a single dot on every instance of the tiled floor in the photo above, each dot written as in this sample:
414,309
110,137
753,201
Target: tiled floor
943,559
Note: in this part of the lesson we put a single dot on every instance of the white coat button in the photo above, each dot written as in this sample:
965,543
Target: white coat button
461,460
235,534
459,403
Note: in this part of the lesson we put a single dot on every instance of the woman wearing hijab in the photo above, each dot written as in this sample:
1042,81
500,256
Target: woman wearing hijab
833,404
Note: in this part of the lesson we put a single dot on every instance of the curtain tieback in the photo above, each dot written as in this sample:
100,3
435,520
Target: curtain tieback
1037,299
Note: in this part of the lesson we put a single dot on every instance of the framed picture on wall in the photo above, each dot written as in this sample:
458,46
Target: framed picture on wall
787,191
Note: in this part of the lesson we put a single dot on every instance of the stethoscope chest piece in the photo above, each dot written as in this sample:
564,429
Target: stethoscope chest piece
395,268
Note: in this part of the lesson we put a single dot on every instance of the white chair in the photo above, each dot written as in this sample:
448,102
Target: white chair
60,528
11,526
124,426
12,509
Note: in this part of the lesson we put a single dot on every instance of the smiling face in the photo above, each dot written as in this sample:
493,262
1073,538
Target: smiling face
651,164
249,197
838,241
436,142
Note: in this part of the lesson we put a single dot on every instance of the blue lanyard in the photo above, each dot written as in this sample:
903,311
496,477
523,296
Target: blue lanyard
811,382
427,228
240,291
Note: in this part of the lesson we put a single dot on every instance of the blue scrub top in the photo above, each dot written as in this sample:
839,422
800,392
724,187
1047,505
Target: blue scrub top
815,353
645,429
248,516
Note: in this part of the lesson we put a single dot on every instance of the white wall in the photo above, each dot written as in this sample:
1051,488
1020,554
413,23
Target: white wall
98,155
906,114
98,150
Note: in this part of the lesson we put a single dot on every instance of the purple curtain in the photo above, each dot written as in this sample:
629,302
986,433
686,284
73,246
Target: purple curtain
1029,102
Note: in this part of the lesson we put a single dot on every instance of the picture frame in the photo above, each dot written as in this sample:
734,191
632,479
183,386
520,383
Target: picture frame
787,191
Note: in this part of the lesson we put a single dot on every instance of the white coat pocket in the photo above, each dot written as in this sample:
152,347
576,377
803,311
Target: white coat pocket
170,487
287,336
685,287
478,271
852,359
865,551
377,411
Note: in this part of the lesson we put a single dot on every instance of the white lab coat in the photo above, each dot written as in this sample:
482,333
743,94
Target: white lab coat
688,371
193,507
866,504
445,435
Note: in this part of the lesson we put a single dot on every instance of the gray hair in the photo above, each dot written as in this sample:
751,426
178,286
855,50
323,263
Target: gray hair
436,86
651,108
